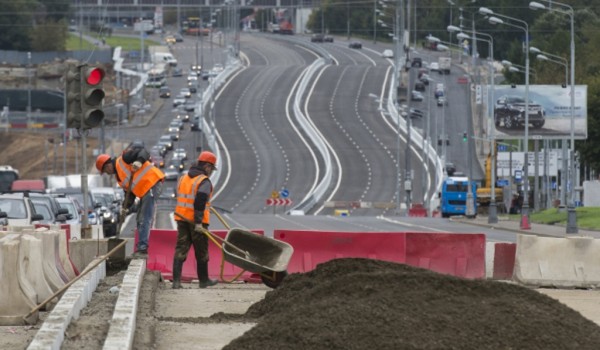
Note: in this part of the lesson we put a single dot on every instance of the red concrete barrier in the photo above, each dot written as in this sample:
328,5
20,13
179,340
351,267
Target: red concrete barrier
456,254
417,210
161,249
460,255
315,247
504,260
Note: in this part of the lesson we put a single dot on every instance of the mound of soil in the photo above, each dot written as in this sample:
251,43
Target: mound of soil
370,304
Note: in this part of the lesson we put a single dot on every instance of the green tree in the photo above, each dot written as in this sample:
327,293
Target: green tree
49,36
16,20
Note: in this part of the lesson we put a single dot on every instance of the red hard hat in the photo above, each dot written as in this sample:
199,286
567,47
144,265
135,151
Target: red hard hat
101,160
208,157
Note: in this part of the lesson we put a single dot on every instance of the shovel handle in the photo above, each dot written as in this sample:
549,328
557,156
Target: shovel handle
214,211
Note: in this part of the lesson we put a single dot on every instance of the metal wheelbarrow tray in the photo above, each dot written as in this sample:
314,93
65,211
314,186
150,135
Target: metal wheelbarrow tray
264,254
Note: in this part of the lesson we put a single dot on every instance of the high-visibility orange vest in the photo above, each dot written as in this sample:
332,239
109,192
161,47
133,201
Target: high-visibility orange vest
186,193
143,179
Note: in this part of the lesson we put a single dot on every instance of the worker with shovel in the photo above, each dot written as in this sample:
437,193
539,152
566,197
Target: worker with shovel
138,177
192,214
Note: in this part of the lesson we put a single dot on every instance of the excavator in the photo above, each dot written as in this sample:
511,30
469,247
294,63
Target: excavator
484,193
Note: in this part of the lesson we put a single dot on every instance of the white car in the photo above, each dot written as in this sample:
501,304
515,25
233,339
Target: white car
387,54
185,92
217,68
434,66
178,100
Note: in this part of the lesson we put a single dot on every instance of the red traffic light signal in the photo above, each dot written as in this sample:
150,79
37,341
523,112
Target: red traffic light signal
92,95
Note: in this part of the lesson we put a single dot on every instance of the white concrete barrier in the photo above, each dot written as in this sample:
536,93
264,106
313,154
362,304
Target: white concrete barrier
14,302
572,262
32,266
50,259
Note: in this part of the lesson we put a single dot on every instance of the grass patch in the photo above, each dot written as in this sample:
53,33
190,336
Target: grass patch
127,43
587,217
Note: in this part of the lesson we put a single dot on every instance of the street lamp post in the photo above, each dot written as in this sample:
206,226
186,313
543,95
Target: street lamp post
545,56
568,10
524,224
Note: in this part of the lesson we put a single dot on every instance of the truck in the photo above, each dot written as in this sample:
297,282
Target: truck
145,25
162,55
484,194
453,198
445,63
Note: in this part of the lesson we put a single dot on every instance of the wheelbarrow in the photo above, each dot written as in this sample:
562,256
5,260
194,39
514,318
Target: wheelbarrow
254,253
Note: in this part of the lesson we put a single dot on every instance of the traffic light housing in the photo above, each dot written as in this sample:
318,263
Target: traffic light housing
73,92
465,137
91,96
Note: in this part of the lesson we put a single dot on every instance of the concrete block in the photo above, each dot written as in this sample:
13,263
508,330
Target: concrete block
570,262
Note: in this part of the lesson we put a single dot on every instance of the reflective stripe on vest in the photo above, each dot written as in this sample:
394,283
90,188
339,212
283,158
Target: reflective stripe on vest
143,179
187,188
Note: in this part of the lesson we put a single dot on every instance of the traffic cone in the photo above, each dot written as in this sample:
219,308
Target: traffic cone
525,222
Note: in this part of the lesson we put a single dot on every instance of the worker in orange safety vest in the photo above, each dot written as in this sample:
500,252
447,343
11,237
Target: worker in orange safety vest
138,177
194,191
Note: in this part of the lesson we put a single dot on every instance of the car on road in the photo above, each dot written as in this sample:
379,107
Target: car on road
180,153
184,117
177,123
171,174
217,68
208,74
434,67
176,72
419,86
157,160
164,92
387,53
424,78
19,209
167,141
178,100
170,39
442,101
189,106
416,113
355,45
195,125
178,37
192,76
174,132
417,62
509,111
193,85
317,38
185,92
43,209
416,96
74,212
196,68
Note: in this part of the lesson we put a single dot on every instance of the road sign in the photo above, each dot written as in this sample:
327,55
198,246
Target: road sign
518,175
274,194
284,193
278,201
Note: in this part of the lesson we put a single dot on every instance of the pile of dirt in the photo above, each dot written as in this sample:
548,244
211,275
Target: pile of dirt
36,155
371,304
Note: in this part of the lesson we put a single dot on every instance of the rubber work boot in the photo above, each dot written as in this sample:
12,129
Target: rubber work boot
177,266
202,269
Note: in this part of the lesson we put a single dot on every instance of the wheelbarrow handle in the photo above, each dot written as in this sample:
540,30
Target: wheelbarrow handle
212,237
214,211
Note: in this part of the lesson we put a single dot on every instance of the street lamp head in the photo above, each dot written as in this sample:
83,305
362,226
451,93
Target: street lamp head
534,5
432,38
452,28
462,36
485,11
495,20
534,50
442,47
542,57
513,69
506,63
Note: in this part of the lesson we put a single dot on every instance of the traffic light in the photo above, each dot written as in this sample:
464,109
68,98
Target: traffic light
91,96
73,91
465,137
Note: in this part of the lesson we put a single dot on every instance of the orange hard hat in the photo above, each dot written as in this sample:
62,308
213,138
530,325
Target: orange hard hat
101,160
208,157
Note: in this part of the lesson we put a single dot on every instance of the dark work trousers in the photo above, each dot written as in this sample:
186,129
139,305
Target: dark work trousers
186,236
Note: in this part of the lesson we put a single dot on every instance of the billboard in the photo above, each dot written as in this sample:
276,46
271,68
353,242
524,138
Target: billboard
549,111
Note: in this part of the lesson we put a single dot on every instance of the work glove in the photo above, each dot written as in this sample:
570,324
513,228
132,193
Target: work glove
124,212
199,228
136,165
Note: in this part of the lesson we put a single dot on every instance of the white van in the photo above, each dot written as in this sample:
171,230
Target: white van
165,57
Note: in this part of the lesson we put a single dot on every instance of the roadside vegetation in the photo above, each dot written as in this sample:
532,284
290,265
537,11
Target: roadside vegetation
587,217
127,43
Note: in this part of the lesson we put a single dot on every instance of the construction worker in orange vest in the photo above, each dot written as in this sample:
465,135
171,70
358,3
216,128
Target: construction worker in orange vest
138,177
192,214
